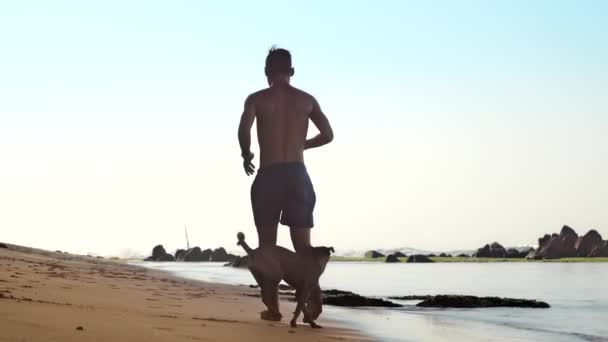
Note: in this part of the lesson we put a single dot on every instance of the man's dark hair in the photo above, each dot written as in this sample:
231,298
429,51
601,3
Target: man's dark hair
278,61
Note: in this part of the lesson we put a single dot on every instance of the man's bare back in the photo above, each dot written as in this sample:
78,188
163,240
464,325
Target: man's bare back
282,114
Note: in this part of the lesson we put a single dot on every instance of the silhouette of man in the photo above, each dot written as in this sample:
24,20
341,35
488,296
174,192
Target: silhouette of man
282,190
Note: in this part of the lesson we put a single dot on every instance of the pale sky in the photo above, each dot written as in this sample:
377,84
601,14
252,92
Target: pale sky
457,123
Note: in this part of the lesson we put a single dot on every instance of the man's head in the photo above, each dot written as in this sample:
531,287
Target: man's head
278,65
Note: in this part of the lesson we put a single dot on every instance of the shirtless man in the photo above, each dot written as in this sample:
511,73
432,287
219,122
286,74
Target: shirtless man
282,190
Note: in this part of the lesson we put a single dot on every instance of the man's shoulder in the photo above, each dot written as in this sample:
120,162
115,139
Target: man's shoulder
256,95
304,96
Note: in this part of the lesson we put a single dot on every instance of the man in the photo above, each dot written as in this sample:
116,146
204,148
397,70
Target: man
282,190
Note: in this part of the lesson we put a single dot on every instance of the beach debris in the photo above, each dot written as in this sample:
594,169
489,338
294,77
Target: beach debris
458,301
79,328
419,258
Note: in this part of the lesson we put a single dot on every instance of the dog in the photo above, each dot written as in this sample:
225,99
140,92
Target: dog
270,265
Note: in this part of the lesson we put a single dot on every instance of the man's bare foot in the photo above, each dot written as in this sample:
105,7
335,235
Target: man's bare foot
293,324
271,316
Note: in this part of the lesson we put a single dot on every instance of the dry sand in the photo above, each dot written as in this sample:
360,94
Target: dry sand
49,296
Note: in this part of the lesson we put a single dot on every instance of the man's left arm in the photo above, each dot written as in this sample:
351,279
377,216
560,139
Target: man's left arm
245,135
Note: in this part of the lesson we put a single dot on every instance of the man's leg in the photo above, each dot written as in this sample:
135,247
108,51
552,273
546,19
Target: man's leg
267,235
300,237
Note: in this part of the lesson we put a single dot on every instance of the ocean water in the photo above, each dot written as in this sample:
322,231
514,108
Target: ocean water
577,293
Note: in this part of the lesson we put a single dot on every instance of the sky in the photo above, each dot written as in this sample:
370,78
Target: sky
457,123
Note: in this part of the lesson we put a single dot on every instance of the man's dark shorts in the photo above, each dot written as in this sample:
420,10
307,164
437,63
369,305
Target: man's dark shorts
283,192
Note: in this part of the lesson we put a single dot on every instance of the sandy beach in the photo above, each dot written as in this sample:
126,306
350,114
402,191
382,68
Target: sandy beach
52,296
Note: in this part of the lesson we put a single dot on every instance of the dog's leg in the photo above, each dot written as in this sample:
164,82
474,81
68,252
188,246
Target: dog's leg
308,315
314,304
301,299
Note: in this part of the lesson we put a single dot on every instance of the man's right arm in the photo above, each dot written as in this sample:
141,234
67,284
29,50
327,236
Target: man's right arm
326,134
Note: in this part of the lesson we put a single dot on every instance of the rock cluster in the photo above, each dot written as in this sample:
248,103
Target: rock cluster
567,244
193,254
496,250
453,301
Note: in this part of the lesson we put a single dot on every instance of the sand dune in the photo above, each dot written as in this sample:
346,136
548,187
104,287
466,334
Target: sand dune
49,296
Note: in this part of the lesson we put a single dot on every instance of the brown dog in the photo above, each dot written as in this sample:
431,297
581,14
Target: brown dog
270,265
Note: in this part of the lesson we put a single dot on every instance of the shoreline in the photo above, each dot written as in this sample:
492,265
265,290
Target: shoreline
65,297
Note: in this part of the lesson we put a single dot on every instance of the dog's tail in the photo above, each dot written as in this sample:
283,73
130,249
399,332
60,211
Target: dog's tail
241,237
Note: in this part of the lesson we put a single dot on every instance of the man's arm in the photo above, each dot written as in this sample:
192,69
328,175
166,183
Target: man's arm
326,134
245,135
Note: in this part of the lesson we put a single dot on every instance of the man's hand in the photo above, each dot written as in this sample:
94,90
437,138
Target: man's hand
248,165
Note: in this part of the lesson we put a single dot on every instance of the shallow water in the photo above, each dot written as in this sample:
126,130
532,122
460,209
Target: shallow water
576,292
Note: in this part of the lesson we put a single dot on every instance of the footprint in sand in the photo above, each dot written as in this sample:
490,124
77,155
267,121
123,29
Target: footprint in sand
220,320
162,328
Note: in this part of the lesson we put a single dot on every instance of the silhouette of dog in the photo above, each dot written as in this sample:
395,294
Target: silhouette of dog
270,265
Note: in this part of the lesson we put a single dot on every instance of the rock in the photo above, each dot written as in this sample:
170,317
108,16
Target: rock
453,301
207,254
600,251
418,258
219,254
373,254
195,254
399,255
392,258
79,328
3,245
158,251
494,250
349,299
587,244
180,254
241,262
513,253
149,259
443,255
166,257
431,255
462,255
559,246
532,255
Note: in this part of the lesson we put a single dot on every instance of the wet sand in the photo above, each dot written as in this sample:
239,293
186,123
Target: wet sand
51,296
